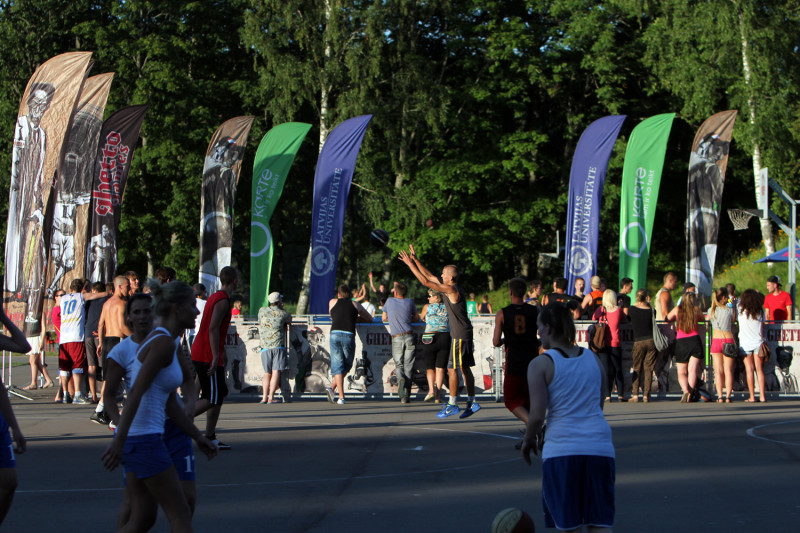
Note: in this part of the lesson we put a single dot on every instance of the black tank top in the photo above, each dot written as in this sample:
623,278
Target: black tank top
460,324
344,315
519,332
563,299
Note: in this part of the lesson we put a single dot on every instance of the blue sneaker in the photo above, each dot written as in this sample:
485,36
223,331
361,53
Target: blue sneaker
448,410
470,409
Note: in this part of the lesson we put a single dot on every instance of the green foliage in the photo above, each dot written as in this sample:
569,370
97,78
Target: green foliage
477,108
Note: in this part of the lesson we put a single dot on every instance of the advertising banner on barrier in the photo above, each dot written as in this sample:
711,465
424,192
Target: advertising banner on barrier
641,179
273,160
113,162
42,124
373,371
220,177
587,178
335,167
707,166
73,190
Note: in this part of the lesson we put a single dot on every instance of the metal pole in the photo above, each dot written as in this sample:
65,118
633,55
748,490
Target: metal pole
792,257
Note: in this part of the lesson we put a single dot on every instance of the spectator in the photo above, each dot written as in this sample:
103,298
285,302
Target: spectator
273,322
400,313
611,355
237,308
721,317
626,287
344,314
559,295
777,303
534,293
435,344
472,305
689,349
644,349
751,337
485,308
594,300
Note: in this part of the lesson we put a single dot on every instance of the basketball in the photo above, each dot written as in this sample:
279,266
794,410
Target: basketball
379,238
513,520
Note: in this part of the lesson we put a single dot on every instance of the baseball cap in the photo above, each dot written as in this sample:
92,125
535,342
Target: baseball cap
774,279
275,297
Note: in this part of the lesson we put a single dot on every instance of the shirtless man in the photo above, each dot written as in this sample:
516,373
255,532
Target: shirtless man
110,331
663,305
461,348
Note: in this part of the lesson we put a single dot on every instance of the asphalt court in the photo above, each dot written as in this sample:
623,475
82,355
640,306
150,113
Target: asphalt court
377,465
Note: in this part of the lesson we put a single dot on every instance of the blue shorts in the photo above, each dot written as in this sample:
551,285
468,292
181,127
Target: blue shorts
343,351
578,490
145,455
179,446
7,459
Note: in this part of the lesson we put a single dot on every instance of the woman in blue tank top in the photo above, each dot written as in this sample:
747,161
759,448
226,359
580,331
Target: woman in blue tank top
568,386
157,371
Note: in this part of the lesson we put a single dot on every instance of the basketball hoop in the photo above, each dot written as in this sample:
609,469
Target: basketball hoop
740,218
546,259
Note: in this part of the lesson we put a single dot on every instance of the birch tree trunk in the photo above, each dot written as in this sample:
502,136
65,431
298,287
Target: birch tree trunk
766,225
302,301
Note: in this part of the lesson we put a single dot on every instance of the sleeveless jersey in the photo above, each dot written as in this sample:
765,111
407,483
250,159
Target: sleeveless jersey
150,416
520,334
670,304
344,316
460,324
72,318
201,349
575,421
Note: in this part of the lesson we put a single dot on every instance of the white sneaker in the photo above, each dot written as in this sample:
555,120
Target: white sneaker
340,401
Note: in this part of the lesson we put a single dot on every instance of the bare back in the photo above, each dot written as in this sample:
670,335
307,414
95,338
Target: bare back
113,318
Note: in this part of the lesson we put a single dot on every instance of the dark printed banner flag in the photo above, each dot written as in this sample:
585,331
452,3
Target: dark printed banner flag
273,160
42,124
586,181
220,177
707,166
113,162
641,179
73,189
335,166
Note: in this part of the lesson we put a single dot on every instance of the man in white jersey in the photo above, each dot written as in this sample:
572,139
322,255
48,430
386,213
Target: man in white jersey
71,351
139,318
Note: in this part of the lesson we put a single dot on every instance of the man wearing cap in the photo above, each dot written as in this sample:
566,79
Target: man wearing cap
777,303
273,322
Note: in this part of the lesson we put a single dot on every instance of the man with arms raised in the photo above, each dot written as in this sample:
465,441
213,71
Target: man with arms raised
111,329
461,349
208,352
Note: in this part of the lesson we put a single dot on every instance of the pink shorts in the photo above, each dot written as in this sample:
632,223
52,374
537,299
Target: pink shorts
716,344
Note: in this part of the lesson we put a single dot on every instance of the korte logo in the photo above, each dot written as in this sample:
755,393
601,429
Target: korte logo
642,248
267,238
580,261
321,261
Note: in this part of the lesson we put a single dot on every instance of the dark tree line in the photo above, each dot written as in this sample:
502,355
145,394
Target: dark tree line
477,105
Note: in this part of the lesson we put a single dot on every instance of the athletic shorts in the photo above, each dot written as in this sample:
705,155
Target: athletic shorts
7,459
179,446
108,345
145,455
716,344
274,359
578,490
212,388
461,354
71,357
688,347
437,352
515,392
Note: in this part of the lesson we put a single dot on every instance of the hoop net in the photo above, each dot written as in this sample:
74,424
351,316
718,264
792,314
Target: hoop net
546,259
739,218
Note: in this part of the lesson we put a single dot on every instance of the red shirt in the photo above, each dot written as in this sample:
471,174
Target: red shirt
777,304
55,315
613,318
201,348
